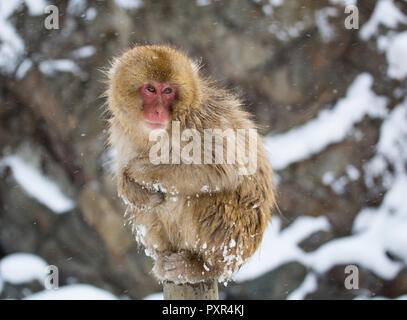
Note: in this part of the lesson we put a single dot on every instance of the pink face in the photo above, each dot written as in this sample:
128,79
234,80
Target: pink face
157,98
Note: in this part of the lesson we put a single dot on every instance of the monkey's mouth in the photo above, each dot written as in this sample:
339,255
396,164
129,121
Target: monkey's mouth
155,125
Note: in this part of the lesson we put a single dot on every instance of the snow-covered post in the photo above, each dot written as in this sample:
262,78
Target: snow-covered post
191,291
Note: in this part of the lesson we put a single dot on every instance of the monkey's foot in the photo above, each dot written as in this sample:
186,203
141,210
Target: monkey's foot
178,268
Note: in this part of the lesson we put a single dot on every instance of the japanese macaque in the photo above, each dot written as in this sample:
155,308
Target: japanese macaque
199,221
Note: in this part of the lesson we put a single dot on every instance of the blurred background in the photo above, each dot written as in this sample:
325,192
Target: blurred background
331,102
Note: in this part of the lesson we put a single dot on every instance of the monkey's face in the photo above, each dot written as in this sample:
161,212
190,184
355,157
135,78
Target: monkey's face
157,98
150,86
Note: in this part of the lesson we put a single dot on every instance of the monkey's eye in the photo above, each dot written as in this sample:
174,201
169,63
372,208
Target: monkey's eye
167,91
150,88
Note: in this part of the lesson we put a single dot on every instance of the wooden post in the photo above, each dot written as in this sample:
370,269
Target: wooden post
189,291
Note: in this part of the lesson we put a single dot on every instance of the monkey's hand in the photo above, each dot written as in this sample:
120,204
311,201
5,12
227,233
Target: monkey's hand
185,179
135,195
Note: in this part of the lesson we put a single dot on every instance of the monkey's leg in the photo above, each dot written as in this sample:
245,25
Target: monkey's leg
229,232
185,267
150,232
218,260
179,267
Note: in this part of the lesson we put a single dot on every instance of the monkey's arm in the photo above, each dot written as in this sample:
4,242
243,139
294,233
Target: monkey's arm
185,179
136,195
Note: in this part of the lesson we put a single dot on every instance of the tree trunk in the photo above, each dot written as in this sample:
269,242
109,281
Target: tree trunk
188,291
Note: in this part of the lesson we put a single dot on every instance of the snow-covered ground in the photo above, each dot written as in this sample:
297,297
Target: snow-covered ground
73,292
330,126
155,296
21,268
38,186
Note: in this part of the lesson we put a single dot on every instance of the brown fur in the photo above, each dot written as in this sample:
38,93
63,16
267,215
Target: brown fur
193,234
